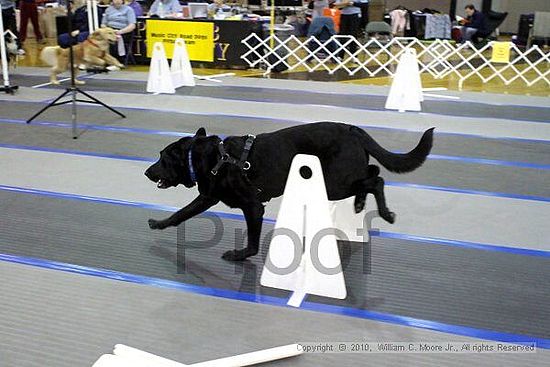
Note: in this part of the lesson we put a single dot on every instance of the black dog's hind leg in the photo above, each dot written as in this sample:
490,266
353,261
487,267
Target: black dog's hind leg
361,198
254,217
378,192
197,206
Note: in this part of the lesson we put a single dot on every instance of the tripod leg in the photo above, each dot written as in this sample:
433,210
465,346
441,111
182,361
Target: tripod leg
49,105
73,114
101,103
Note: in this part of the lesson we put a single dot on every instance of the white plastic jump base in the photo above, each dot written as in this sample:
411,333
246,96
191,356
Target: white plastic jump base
180,68
160,78
303,255
124,356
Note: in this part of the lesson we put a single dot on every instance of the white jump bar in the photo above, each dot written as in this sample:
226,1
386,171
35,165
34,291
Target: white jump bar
131,356
249,359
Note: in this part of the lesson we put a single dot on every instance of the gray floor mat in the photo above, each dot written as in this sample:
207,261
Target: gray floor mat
475,288
396,140
444,173
368,102
56,319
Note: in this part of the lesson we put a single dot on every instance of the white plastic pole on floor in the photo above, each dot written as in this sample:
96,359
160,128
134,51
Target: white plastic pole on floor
303,256
250,359
144,358
212,78
128,356
109,360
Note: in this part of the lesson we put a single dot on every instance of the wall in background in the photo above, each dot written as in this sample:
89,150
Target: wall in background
517,7
440,5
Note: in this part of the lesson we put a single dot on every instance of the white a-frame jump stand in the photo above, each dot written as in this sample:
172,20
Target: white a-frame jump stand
180,68
406,89
166,78
303,255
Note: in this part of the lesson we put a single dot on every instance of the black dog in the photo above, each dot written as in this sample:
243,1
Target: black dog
261,173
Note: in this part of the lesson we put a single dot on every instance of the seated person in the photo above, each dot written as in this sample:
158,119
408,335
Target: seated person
165,8
121,18
474,24
216,5
136,7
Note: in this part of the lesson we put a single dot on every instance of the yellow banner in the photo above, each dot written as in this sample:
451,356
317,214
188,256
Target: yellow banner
501,52
198,36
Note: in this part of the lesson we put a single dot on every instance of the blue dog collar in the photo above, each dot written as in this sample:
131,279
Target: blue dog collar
191,169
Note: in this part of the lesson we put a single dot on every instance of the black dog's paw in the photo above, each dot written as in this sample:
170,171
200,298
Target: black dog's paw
389,217
359,206
359,203
155,224
236,255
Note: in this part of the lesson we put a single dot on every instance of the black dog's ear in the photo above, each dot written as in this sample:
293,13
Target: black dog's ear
201,132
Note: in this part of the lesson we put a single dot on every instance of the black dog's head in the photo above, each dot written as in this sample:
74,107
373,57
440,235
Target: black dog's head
172,168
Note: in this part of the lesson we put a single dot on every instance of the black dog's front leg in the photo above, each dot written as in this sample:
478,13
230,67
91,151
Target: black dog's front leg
197,206
254,217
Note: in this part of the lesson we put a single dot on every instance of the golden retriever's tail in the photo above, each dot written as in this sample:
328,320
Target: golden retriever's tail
398,162
49,55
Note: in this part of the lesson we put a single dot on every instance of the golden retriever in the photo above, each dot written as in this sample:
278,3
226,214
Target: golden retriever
92,52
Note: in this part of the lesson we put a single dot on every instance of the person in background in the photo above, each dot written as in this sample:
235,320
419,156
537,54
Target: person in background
350,22
8,18
216,5
80,29
28,10
317,7
473,24
136,7
165,8
121,18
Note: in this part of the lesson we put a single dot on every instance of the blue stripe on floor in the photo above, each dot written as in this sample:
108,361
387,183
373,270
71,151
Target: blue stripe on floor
80,153
281,302
463,244
388,183
118,129
467,160
493,162
468,191
297,122
240,217
356,106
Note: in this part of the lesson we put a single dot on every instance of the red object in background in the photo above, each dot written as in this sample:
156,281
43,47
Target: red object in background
29,10
335,15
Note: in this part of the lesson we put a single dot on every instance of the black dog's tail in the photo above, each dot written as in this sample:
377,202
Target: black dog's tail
395,162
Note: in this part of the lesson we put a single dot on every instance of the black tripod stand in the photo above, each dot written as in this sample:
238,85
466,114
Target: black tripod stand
73,90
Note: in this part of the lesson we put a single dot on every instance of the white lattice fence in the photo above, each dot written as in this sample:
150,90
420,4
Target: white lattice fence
439,58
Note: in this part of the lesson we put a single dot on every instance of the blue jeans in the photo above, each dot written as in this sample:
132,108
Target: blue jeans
467,33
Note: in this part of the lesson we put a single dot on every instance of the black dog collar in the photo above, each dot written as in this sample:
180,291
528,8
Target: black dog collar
226,158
